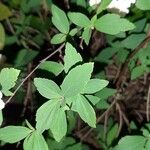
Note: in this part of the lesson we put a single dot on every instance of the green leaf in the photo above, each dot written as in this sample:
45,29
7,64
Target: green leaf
8,77
76,79
112,134
93,99
13,134
85,110
4,11
47,88
45,115
133,40
35,141
113,24
147,145
73,32
106,54
58,125
51,116
95,85
52,67
103,5
58,38
131,143
137,72
106,92
71,57
65,142
143,4
86,35
2,36
1,117
24,57
60,19
79,19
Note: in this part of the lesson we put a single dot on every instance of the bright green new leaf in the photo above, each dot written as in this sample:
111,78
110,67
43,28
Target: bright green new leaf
143,4
86,35
85,110
79,19
60,19
8,77
95,85
2,36
73,32
113,24
58,125
103,5
76,79
1,117
4,12
52,67
71,57
35,141
58,38
93,99
45,115
47,88
13,134
131,143
51,116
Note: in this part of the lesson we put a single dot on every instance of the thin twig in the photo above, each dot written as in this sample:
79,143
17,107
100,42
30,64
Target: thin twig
147,105
25,79
120,119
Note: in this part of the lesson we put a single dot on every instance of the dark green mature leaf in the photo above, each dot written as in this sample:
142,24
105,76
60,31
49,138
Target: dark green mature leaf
112,134
133,40
79,19
76,79
85,110
62,145
45,115
35,141
106,54
143,4
95,85
71,57
113,24
2,36
47,88
13,134
137,72
60,19
58,38
8,77
93,99
24,57
52,67
4,12
131,143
